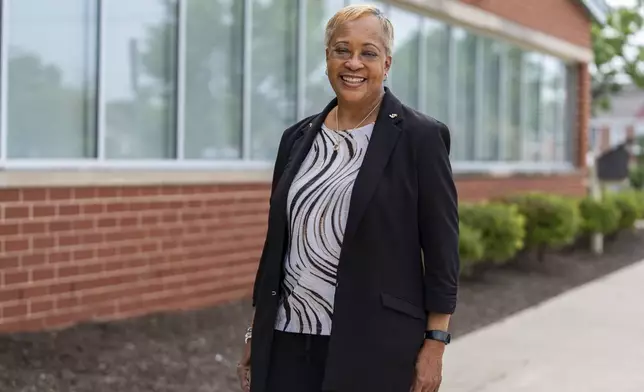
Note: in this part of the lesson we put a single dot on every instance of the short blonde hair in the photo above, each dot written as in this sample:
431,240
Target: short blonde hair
353,12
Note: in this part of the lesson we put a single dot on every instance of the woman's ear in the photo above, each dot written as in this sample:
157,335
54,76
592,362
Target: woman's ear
388,61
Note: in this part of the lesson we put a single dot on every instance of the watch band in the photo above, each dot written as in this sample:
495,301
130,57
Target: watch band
440,336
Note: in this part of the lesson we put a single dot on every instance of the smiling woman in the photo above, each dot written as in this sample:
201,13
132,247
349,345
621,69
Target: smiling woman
358,59
360,191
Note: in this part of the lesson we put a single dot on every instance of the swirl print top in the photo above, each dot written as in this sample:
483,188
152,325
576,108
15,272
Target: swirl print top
317,210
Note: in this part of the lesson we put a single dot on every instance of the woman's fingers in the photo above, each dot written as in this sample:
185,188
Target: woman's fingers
243,375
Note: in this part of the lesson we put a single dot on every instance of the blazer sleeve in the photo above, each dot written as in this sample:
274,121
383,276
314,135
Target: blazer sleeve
283,153
438,220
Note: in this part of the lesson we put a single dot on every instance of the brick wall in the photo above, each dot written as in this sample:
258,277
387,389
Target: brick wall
76,254
479,188
72,254
565,19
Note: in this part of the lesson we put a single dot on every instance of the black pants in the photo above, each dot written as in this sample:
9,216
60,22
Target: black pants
297,362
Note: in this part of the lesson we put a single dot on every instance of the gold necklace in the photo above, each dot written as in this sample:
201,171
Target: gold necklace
336,145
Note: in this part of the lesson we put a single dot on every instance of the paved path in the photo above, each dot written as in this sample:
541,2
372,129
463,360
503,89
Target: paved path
590,339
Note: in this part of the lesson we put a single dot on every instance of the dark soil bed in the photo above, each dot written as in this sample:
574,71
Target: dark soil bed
197,351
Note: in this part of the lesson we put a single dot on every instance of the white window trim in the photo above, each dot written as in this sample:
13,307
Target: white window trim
496,169
4,79
180,136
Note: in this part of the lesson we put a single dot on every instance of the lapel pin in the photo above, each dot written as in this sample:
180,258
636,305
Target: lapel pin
310,125
393,115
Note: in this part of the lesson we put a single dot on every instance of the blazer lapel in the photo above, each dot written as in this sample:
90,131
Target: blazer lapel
301,147
383,140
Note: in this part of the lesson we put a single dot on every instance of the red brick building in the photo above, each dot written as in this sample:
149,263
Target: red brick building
136,160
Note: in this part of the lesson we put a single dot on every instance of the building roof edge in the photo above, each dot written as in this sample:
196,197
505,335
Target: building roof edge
598,9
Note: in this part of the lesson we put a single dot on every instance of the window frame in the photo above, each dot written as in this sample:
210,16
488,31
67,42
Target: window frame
245,162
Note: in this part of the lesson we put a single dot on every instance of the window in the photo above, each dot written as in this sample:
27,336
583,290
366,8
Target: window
51,89
379,4
550,124
274,74
487,141
140,78
512,116
464,121
244,81
436,89
318,91
403,77
532,145
562,131
214,45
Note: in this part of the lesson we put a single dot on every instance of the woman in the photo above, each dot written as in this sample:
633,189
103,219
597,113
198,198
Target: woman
359,272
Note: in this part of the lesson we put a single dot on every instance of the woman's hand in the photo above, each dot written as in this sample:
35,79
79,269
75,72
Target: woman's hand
429,367
243,369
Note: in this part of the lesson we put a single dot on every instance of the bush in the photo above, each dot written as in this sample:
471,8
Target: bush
636,177
599,216
551,221
470,248
628,206
639,201
501,228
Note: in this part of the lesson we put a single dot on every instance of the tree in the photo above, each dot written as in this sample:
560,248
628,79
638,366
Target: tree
617,56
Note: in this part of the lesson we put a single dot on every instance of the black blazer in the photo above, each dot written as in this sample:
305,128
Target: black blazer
403,206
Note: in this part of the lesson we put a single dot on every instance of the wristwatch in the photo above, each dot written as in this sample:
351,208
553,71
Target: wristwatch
441,336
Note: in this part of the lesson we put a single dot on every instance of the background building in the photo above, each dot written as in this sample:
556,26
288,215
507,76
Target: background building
137,138
623,121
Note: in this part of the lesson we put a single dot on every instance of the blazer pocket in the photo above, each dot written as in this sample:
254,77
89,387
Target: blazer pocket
403,306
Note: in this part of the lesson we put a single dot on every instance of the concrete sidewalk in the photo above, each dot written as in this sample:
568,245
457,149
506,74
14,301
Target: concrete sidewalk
590,339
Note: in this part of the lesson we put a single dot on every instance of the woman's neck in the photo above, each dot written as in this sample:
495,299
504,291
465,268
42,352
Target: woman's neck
350,114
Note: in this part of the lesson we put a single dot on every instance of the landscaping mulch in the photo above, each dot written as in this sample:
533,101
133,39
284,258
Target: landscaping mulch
197,351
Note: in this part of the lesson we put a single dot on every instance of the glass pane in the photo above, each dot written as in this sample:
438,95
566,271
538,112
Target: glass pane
570,113
532,124
140,79
382,6
404,68
549,101
436,70
464,121
490,127
274,74
52,79
562,132
318,90
514,99
213,75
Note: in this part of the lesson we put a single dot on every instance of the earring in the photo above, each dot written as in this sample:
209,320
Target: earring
326,71
386,77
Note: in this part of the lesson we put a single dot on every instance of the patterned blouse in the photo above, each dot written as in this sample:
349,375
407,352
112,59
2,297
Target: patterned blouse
318,205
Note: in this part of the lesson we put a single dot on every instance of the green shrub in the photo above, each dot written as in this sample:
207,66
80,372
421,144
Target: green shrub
501,228
636,177
470,248
599,216
551,221
628,206
639,201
